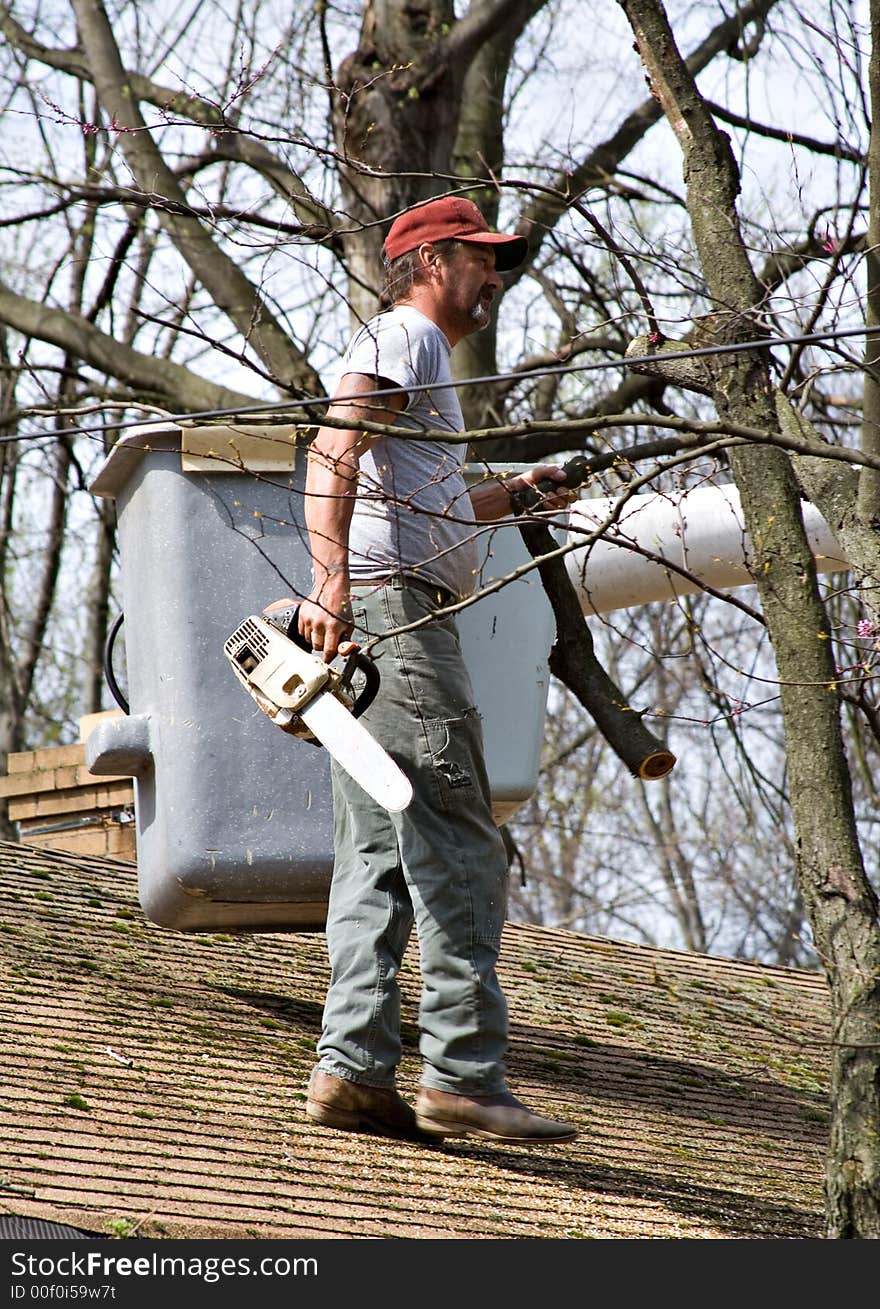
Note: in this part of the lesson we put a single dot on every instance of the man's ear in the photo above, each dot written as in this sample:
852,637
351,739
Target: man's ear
428,255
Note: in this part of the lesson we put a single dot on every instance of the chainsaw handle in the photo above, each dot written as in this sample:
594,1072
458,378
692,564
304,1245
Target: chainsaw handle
369,690
356,660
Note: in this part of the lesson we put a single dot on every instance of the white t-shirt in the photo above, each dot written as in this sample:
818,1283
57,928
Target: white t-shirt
413,513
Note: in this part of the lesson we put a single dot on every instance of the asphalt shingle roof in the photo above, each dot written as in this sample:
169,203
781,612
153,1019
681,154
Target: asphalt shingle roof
153,1083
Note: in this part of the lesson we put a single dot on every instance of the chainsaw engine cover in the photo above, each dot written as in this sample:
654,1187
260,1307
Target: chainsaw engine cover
281,675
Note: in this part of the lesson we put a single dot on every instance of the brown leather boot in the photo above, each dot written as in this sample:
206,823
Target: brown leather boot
498,1117
353,1107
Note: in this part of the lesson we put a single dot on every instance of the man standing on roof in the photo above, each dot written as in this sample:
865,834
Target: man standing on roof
391,527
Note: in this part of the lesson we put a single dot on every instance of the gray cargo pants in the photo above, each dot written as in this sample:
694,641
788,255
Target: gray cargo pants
440,864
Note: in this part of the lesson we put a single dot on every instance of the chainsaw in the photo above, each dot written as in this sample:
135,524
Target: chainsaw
309,699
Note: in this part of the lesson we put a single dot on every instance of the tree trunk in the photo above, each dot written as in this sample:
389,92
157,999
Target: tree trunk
417,106
396,101
840,901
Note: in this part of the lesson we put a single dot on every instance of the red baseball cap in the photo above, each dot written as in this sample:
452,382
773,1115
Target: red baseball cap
451,218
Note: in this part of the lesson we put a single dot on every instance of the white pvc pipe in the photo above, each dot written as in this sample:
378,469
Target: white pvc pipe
700,530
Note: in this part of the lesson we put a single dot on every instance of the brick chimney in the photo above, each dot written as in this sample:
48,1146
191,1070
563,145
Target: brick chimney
56,803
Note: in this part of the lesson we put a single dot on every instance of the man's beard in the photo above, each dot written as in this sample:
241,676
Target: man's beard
481,313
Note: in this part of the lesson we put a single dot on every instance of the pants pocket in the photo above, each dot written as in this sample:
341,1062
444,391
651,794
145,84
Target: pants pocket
455,750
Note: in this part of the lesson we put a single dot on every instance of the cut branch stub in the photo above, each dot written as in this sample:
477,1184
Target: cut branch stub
689,374
573,661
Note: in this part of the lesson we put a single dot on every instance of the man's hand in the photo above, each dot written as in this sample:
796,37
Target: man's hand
497,497
560,497
326,632
325,618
